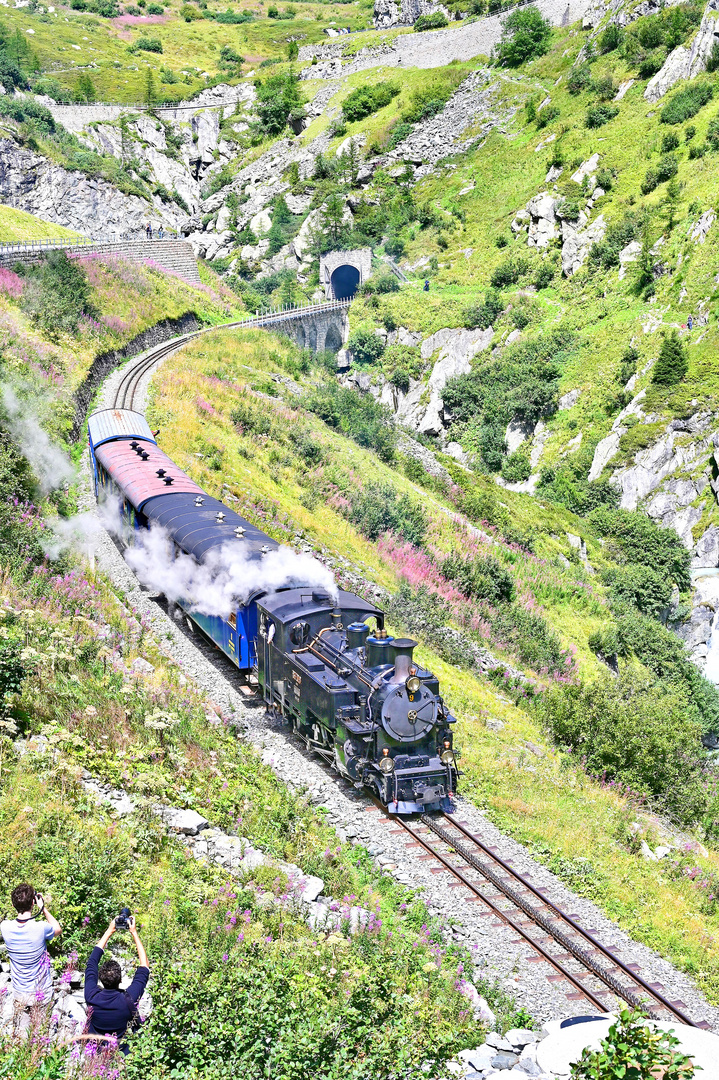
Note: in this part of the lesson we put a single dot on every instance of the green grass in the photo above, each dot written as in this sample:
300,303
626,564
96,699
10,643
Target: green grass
17,225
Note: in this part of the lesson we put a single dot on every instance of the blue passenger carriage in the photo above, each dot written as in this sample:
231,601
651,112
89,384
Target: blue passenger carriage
128,466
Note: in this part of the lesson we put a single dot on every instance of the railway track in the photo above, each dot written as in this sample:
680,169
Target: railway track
124,397
591,971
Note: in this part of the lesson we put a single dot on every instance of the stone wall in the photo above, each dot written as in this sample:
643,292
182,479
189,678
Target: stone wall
174,255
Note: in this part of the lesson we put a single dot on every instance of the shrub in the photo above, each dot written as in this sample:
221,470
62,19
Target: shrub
386,283
713,58
686,103
155,9
569,210
670,141
646,589
712,134
636,538
649,182
526,34
146,44
618,235
437,20
277,96
366,346
482,578
580,79
672,364
631,729
365,420
516,467
667,167
604,88
366,100
546,115
598,115
610,38
605,179
698,150
483,314
544,275
378,509
690,131
628,364
509,272
27,111
11,75
651,63
189,13
633,1048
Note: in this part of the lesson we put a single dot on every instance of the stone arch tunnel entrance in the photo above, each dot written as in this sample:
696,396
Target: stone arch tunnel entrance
344,282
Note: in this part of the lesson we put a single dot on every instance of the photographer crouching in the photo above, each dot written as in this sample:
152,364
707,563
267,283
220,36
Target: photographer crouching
115,1010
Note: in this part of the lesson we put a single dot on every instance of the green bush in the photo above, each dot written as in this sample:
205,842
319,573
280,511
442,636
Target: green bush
579,79
526,34
516,467
610,38
146,44
546,115
618,235
378,509
713,58
437,20
647,589
649,182
482,578
633,730
686,103
670,141
357,415
667,167
635,538
366,100
484,314
11,75
544,276
386,283
277,97
713,134
598,115
366,346
27,111
652,63
630,1049
672,364
509,272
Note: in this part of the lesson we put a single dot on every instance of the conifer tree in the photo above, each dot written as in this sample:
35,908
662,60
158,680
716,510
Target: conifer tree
672,364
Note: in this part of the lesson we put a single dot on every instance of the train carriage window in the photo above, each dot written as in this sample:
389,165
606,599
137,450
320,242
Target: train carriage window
233,620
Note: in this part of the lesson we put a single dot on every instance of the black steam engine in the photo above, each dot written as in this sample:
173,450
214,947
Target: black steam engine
356,696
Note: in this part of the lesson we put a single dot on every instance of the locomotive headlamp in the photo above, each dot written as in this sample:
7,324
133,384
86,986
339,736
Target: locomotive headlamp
413,684
385,763
447,757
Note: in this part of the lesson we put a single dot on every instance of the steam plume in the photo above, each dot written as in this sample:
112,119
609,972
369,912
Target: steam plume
227,575
50,465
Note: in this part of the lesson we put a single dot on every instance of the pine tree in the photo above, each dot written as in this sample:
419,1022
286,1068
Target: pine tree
150,92
672,364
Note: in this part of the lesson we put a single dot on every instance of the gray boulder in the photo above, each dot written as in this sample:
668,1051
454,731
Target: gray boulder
686,62
188,822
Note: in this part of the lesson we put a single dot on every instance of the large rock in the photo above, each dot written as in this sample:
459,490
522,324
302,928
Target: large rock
457,347
388,13
543,226
706,552
604,451
188,822
698,231
687,62
577,242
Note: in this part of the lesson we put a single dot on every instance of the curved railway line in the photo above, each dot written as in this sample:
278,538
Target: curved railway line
591,971
124,397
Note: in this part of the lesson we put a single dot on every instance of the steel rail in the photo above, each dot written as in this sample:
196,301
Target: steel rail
600,970
571,922
130,380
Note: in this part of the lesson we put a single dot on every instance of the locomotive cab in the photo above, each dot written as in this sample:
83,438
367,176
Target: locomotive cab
356,696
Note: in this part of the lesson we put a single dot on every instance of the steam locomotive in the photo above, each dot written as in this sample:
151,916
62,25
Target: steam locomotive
352,692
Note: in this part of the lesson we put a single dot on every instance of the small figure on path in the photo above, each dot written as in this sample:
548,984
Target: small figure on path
690,322
148,231
160,233
426,284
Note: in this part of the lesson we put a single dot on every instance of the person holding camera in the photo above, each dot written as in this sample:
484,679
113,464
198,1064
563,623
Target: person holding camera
114,1010
26,937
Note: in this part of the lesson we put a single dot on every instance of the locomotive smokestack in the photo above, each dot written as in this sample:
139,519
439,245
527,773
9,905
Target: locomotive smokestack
402,649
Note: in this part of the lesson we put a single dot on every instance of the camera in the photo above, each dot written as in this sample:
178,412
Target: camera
122,921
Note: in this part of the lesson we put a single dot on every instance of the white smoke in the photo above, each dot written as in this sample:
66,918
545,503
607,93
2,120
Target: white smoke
227,576
81,533
51,466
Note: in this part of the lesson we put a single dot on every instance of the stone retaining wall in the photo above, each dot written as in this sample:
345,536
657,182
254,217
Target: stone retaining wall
174,255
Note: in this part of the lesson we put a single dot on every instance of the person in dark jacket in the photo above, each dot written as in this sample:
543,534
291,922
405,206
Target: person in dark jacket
113,1009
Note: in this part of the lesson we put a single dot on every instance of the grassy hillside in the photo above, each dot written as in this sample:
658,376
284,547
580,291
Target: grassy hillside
227,421
17,225
68,44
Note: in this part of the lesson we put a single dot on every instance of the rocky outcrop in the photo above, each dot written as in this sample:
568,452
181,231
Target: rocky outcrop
87,205
577,242
544,219
388,13
699,230
423,408
686,62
